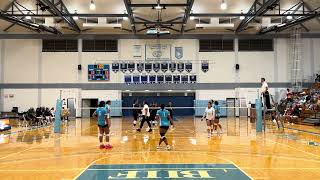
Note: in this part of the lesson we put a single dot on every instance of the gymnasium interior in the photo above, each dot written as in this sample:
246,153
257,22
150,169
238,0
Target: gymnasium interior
258,59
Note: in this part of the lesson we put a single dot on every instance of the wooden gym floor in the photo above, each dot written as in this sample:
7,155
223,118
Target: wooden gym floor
239,153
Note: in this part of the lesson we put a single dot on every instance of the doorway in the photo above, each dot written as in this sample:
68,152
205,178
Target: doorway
88,107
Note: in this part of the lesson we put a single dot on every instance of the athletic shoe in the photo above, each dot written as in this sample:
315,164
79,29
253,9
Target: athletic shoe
138,130
109,146
168,147
158,147
274,121
102,146
209,135
150,130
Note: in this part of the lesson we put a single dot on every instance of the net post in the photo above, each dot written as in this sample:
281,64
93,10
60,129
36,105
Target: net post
57,121
258,115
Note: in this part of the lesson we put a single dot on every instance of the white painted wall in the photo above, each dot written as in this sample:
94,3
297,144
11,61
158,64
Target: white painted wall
21,61
22,65
221,67
59,67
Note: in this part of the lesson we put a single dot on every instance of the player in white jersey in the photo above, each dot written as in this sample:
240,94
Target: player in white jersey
209,115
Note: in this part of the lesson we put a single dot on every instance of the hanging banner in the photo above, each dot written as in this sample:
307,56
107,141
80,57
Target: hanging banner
158,52
137,51
178,52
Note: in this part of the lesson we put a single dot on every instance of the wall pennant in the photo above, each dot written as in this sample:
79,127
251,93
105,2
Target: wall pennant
148,67
115,67
172,67
140,67
123,67
156,67
205,66
188,67
131,67
164,67
180,67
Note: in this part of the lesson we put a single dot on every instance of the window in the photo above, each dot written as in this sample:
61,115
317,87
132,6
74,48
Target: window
255,45
60,45
100,46
216,45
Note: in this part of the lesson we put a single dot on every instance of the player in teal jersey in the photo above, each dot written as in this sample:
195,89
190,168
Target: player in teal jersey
165,119
103,125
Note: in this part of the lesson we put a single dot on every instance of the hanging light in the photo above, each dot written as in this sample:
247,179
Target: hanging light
223,5
158,7
242,16
191,17
75,17
92,5
125,18
289,17
28,17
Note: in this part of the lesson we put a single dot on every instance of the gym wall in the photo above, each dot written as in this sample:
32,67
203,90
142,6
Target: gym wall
22,61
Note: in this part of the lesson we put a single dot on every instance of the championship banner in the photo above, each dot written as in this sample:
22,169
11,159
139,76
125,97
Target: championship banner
156,52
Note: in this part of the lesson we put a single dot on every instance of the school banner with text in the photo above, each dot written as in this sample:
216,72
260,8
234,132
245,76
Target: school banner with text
158,52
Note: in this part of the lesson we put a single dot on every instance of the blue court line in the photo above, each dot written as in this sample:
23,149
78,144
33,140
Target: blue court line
318,134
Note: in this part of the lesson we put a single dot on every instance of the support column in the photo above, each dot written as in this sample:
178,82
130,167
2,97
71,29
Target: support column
40,72
2,63
312,59
79,78
275,67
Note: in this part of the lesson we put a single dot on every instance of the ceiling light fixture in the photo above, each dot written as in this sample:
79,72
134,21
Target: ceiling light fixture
158,7
242,16
125,17
289,17
75,17
92,5
28,17
223,5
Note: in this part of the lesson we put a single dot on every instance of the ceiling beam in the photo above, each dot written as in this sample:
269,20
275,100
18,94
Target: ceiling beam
28,24
186,15
127,4
308,7
72,15
57,7
158,22
296,20
203,15
284,26
143,36
258,8
199,15
162,5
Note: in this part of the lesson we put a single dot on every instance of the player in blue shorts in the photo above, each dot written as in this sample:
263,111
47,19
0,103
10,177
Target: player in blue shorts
103,125
165,119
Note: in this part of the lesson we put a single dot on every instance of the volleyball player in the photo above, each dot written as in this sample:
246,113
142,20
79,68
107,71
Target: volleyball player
145,117
216,121
103,125
209,115
164,117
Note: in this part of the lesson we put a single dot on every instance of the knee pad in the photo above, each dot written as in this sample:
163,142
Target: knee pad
163,137
100,135
107,134
209,127
134,122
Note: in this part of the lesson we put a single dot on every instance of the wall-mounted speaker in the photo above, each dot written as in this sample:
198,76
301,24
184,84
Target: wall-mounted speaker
79,67
237,66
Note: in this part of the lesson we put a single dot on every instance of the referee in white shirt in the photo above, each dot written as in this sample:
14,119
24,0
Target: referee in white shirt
145,117
265,93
